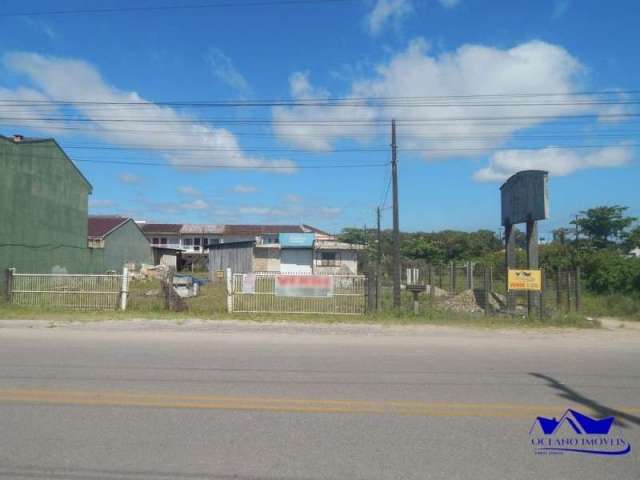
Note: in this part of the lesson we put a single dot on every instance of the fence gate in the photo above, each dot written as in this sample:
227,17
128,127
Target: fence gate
67,290
296,293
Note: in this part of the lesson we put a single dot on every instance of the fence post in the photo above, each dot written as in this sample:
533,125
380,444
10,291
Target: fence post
125,289
487,287
371,299
452,278
432,282
577,288
568,278
229,281
558,289
9,283
541,298
470,275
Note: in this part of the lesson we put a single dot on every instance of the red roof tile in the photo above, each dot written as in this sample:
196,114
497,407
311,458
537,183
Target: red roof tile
99,226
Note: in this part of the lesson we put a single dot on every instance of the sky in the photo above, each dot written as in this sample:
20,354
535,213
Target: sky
236,112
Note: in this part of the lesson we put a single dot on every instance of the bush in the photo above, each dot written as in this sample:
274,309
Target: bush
608,272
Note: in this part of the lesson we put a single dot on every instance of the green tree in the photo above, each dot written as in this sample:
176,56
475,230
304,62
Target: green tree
632,239
605,225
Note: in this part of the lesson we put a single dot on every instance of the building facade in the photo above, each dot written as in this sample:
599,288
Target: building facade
121,241
44,209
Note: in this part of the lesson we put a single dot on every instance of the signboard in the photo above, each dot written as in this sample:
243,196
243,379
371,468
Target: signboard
304,286
296,240
524,280
525,196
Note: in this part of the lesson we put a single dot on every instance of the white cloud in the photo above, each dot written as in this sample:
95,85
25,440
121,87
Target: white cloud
557,161
244,188
198,204
532,67
330,212
222,68
128,178
449,3
189,190
385,11
152,126
293,124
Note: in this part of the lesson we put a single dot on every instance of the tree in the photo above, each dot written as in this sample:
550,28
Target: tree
604,225
632,239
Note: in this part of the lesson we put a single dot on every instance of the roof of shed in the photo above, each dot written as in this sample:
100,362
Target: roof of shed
101,225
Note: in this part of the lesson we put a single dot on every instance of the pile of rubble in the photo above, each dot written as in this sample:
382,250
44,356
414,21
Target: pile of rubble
464,302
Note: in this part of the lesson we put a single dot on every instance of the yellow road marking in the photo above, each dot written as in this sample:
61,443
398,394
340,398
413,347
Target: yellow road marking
295,405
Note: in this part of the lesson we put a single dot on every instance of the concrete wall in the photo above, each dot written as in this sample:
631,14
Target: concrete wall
43,211
266,259
127,244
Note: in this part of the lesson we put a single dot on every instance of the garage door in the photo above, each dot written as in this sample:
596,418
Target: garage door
296,260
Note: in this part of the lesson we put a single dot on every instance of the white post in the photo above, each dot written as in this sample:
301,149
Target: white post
125,289
229,280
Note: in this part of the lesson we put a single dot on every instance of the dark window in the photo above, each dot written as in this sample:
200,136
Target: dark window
205,241
186,242
163,241
196,241
155,240
328,255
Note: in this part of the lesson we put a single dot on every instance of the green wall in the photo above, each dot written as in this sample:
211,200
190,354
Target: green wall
126,244
43,211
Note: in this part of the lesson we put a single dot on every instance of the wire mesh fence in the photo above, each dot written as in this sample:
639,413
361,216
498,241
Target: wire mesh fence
64,290
268,292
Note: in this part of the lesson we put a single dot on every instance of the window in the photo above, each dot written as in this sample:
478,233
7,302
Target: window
328,259
163,241
186,242
205,242
154,241
196,241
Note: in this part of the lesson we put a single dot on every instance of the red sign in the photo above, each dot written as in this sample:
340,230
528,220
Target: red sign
304,285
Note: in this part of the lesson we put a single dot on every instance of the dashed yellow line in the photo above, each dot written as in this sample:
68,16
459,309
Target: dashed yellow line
275,404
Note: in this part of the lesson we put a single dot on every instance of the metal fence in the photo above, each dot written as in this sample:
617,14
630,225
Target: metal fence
259,293
108,291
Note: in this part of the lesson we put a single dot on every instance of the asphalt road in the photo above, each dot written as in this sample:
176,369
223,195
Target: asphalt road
147,402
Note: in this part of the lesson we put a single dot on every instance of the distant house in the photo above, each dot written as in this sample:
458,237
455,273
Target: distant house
310,253
635,252
43,207
121,241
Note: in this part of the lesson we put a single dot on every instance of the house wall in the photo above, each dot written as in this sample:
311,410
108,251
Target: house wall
266,259
346,262
43,209
126,244
238,257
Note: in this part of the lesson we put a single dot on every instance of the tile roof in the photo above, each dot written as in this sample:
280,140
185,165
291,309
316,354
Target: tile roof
100,226
254,230
149,228
201,228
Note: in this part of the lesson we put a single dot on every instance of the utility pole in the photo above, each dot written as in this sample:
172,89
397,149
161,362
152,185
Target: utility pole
378,262
396,218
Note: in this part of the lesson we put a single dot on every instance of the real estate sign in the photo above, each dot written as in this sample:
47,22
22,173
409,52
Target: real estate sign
304,286
524,280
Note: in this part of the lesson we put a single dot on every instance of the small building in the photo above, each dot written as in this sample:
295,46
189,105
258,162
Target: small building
635,252
293,253
121,241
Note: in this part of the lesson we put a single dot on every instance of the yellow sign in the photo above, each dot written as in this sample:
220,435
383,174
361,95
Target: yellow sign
525,280
219,273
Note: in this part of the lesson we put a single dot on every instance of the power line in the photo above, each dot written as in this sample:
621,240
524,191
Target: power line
235,4
328,122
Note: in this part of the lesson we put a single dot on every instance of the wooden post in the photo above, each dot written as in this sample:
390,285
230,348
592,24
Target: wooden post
577,288
510,262
416,304
371,291
568,278
558,290
432,286
125,289
541,299
440,276
452,278
532,263
487,289
9,283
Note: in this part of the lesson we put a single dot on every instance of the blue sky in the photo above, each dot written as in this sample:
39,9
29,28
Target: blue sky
448,53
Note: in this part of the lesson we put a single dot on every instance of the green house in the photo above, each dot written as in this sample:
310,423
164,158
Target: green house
43,209
120,240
